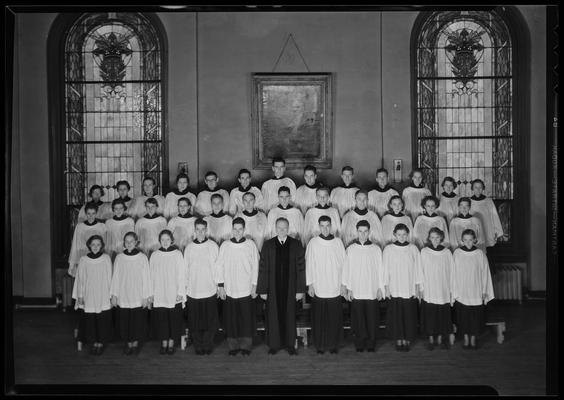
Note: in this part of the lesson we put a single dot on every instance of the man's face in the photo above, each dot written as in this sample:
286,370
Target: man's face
361,201
325,228
347,177
282,229
238,231
363,233
310,177
279,168
217,204
284,198
382,179
322,197
211,182
249,202
244,180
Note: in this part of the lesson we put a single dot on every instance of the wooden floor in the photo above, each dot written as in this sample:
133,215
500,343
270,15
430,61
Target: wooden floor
45,353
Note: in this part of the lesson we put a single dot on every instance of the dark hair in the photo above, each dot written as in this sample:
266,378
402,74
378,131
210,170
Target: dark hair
210,173
437,231
401,227
284,189
95,237
382,170
360,191
417,170
324,218
427,198
132,234
468,232
166,232
320,188
347,168
477,181
182,175
94,187
119,201
278,159
151,200
243,171
239,221
120,183
215,196
362,223
465,199
449,179
186,199
250,194
200,221
310,168
282,219
394,197
90,206
150,178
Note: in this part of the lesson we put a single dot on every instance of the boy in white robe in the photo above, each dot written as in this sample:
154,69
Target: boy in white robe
237,265
403,281
137,209
117,227
437,264
149,227
311,223
342,197
236,196
429,219
484,208
123,188
82,232
203,207
219,223
91,291
200,258
413,194
472,288
394,217
286,210
464,220
270,187
182,190
104,212
256,224
325,257
448,202
363,277
306,195
361,213
379,197
168,292
130,291
182,225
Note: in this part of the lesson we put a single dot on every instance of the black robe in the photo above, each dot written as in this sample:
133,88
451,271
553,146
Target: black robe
280,317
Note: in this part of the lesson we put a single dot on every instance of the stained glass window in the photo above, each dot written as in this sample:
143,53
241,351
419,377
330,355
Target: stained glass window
113,105
464,104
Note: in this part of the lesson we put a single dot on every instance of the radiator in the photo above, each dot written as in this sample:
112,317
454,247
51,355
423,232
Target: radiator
507,282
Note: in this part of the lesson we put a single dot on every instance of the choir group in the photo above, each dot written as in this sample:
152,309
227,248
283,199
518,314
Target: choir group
159,259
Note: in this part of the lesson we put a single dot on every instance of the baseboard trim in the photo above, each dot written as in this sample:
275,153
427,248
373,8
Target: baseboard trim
22,302
536,294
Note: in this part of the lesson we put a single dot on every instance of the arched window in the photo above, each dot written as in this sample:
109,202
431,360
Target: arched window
110,101
466,119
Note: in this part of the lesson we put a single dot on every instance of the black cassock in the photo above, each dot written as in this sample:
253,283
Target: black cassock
281,276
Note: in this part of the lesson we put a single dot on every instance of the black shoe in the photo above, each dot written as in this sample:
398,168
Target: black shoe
292,351
127,350
359,350
334,351
320,352
445,345
430,346
465,346
399,347
135,350
246,352
406,347
170,350
371,350
272,351
162,350
199,352
93,350
474,346
233,352
207,352
100,350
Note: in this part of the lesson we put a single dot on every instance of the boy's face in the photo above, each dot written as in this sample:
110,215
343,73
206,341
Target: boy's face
361,201
464,208
448,187
478,189
310,177
284,198
325,228
129,242
123,191
382,179
363,233
148,187
468,241
183,207
435,239
118,210
244,180
282,229
211,181
96,194
151,208
430,207
217,204
91,215
279,168
396,205
238,231
165,241
182,184
347,177
417,178
322,197
201,231
249,202
401,235
95,246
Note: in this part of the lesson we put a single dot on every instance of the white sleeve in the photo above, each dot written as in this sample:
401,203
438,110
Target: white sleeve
73,254
496,222
487,286
310,260
255,263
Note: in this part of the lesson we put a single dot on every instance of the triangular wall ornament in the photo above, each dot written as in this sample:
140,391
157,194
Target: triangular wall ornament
290,58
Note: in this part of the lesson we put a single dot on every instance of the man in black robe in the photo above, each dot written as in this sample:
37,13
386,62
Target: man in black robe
281,282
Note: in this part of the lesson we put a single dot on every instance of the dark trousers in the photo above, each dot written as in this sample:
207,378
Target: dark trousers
238,322
327,317
132,323
365,321
203,321
95,327
169,322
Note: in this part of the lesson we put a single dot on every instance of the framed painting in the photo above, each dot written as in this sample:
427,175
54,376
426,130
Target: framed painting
292,118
